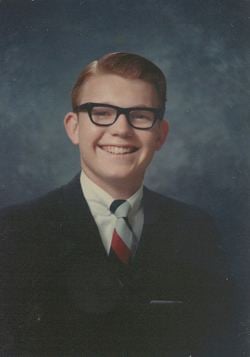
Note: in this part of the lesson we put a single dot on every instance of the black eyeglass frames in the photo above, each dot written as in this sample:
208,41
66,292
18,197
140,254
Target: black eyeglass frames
107,114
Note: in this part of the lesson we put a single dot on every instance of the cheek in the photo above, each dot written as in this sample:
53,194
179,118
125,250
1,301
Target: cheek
150,141
88,135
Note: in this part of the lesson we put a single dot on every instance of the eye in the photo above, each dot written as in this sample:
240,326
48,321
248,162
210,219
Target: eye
142,115
103,115
102,112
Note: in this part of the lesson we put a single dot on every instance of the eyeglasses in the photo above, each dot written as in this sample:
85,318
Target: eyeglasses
107,114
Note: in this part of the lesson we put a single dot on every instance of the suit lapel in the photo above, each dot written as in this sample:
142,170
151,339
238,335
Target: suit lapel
157,254
154,228
80,222
91,286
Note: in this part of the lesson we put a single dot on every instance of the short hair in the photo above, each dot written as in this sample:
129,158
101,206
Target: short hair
127,65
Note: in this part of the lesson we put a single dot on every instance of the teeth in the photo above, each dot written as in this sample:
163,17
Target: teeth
118,149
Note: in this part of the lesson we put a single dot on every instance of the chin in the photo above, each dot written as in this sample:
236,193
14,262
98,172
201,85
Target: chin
128,180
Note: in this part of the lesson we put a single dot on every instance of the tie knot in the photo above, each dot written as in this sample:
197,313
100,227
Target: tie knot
120,208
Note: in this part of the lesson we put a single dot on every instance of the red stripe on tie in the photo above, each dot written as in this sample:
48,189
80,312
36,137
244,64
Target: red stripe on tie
120,248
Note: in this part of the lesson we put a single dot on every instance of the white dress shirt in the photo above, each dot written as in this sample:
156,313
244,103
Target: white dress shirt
99,202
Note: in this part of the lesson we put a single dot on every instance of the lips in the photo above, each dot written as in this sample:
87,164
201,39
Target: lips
118,150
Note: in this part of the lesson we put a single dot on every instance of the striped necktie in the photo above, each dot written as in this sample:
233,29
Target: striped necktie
122,244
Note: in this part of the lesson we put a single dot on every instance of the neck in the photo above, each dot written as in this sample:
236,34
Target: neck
118,190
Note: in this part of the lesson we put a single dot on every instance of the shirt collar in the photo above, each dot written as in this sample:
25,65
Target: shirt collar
99,200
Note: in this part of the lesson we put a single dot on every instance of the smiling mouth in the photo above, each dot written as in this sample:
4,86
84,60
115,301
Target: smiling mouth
119,150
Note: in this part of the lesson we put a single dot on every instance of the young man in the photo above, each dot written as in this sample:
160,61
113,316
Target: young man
103,266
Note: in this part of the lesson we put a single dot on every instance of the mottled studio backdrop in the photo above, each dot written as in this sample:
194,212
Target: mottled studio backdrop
202,46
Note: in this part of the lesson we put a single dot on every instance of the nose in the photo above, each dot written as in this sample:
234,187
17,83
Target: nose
121,127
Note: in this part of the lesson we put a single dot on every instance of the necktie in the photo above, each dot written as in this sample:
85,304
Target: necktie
122,243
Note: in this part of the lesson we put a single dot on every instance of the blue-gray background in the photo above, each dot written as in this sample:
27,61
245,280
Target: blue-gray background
202,46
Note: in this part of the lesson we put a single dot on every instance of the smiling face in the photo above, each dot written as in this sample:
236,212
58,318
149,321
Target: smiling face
116,157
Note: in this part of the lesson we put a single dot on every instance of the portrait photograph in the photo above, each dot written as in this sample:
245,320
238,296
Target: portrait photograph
124,178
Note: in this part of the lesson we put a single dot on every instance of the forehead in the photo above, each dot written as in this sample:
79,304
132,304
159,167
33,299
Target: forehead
117,90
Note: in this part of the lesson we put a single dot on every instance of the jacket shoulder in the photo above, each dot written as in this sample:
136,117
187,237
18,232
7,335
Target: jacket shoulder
30,211
177,209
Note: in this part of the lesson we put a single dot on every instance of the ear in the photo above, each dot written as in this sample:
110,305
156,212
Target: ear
163,133
71,124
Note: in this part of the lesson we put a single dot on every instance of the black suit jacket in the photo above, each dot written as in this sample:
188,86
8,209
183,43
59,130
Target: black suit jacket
60,292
